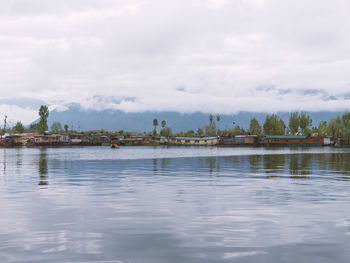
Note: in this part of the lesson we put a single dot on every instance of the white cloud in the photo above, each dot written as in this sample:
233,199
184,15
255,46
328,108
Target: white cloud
219,51
17,113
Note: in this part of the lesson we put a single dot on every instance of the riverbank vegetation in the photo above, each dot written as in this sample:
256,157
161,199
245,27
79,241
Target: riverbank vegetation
299,123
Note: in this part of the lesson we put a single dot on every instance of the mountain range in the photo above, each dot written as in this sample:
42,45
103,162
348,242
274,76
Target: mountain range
80,119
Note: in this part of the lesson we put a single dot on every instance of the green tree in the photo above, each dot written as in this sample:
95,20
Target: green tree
334,127
190,133
294,122
218,118
56,127
237,129
163,123
18,128
210,130
200,132
274,125
211,119
345,131
34,127
155,124
163,131
322,128
44,114
66,128
167,132
255,127
305,123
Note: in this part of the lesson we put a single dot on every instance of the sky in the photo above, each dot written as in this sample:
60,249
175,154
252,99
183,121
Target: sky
214,56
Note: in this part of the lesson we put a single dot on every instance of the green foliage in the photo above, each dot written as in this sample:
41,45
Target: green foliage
163,123
190,133
128,134
18,128
166,132
237,128
155,124
66,127
334,127
56,127
294,122
34,127
119,133
211,119
255,127
44,114
346,119
322,129
305,123
153,143
345,128
274,125
210,130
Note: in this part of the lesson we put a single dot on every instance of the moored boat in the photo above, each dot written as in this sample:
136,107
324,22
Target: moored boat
114,145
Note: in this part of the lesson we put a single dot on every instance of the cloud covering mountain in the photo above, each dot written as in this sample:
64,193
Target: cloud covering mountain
81,119
221,56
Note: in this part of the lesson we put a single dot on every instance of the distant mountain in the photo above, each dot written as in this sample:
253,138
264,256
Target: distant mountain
138,122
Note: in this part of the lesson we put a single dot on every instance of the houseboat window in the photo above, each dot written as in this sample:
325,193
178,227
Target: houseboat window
205,141
187,140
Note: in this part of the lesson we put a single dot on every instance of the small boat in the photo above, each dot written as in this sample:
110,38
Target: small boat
114,145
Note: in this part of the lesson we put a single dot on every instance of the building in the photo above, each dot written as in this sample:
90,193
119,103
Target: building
161,139
195,141
238,139
76,139
135,140
19,139
47,140
295,140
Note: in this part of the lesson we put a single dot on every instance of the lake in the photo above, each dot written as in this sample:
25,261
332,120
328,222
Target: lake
174,204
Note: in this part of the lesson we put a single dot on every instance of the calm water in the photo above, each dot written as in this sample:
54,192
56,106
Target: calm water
144,204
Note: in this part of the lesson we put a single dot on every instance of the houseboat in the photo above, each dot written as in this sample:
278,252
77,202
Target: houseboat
295,140
238,139
194,141
135,140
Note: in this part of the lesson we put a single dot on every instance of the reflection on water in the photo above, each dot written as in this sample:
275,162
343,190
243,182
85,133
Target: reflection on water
43,167
108,206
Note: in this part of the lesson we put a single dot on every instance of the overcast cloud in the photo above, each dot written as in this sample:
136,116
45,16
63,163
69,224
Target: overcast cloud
217,56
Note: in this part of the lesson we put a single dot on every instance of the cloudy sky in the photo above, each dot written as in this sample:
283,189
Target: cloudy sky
219,56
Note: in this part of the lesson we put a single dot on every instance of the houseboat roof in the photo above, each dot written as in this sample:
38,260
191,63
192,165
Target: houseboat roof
286,136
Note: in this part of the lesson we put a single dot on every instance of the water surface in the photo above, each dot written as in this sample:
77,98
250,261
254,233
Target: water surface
177,204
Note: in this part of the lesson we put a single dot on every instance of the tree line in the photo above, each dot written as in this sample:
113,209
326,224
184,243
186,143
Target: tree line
300,123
